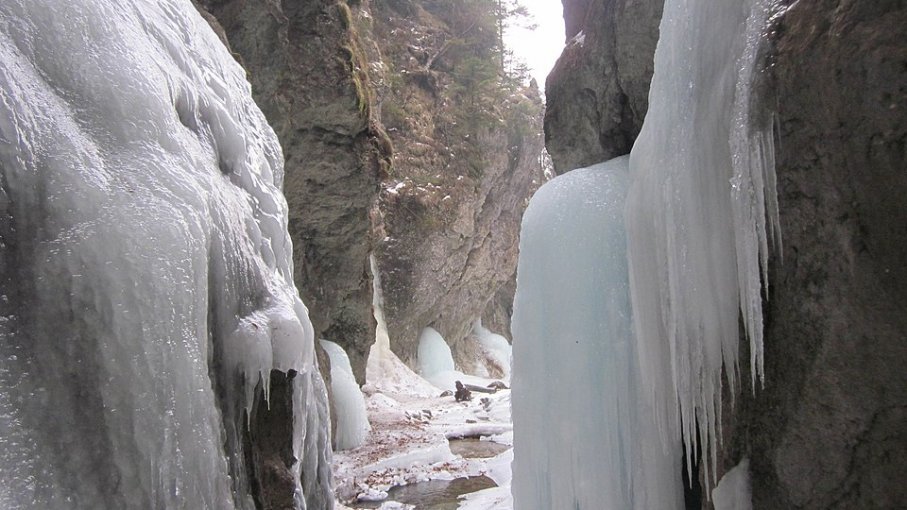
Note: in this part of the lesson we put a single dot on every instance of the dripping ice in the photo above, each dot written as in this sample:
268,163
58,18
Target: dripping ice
146,262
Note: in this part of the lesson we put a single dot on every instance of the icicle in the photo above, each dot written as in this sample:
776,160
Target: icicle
700,211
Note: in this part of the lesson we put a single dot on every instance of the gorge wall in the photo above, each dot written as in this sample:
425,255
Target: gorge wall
306,75
399,140
826,431
598,90
466,160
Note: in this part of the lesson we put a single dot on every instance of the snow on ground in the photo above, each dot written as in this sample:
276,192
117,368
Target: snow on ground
411,424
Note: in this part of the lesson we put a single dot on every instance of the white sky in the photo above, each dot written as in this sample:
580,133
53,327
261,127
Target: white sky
541,47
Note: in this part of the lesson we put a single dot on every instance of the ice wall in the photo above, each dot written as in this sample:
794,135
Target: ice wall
583,436
146,284
700,212
352,418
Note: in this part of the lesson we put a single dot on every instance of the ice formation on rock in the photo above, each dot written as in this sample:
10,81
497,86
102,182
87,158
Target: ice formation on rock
497,348
384,371
583,436
145,266
700,211
434,354
349,403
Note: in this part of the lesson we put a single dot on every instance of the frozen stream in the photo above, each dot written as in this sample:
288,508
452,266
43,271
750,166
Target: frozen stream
445,494
434,494
423,450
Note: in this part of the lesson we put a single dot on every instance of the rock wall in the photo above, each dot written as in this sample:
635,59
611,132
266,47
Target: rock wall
827,430
598,90
466,160
308,75
437,201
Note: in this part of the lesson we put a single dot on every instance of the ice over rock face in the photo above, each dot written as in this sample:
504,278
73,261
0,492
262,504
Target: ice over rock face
145,271
598,392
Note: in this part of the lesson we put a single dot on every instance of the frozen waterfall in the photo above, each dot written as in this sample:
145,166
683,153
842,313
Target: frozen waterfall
582,436
146,291
496,347
700,211
602,396
434,357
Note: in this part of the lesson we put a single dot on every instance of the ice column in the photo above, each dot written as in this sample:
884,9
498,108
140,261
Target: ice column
352,418
145,267
700,212
583,436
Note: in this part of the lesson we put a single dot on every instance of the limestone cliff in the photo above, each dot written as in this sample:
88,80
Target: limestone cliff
827,430
598,90
309,77
466,158
399,140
